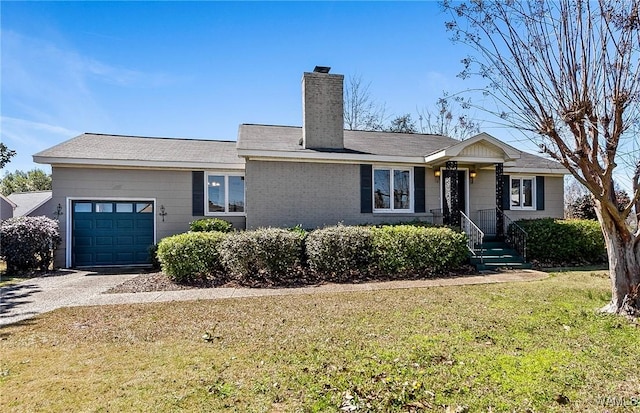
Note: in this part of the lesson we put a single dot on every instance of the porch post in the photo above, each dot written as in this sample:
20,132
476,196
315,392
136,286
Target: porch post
499,195
451,212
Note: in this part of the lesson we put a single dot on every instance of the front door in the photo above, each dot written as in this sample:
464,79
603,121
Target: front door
452,190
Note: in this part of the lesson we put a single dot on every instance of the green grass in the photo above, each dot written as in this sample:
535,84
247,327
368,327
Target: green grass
536,346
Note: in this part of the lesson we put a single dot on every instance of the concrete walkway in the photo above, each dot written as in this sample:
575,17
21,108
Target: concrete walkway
81,288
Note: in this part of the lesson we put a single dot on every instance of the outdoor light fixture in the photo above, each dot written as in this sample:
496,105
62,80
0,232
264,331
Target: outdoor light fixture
58,212
472,175
436,173
162,212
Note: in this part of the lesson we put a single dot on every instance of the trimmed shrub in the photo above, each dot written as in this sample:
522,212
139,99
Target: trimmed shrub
153,256
28,243
339,250
191,256
267,254
406,248
209,225
553,242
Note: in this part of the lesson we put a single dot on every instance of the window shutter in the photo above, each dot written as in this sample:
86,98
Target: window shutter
540,193
419,189
197,192
506,193
366,189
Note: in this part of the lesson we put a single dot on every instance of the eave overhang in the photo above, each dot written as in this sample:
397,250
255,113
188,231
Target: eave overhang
135,164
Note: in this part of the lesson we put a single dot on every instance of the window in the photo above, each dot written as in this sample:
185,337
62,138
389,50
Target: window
522,193
124,208
224,194
106,207
392,190
82,207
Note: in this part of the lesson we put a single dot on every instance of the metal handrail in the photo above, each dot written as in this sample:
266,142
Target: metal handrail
474,234
514,235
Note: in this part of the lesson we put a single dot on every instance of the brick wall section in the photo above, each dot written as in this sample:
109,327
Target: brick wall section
322,111
171,188
314,195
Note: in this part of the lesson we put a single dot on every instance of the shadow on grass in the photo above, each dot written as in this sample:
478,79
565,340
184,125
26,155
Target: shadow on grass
598,267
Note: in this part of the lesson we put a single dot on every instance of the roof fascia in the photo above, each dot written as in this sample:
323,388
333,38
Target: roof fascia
114,163
10,202
326,157
452,152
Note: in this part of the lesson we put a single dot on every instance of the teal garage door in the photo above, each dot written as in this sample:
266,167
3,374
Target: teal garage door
111,232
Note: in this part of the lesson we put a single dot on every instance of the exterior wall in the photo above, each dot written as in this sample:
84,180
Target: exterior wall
553,201
45,209
482,192
314,195
6,210
170,188
322,114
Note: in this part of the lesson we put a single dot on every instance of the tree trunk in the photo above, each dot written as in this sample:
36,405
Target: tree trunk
623,249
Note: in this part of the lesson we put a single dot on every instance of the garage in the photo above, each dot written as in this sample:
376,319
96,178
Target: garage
108,232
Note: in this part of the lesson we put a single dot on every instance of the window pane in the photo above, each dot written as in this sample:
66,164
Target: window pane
104,207
236,194
82,207
144,208
215,193
120,207
401,187
382,189
527,192
515,193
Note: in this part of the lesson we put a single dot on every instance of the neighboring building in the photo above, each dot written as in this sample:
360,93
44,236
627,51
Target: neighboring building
32,204
121,193
6,207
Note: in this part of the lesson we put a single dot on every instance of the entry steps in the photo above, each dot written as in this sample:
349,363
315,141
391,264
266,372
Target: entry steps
496,254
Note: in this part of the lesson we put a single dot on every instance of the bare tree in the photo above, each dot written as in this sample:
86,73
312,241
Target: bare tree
447,120
569,72
361,111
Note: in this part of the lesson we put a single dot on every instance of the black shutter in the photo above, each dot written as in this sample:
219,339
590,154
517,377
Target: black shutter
197,192
506,193
366,189
419,189
540,193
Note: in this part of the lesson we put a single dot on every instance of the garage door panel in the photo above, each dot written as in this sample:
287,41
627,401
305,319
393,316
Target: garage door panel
83,242
128,241
106,235
104,223
104,241
82,224
144,224
104,258
124,223
124,257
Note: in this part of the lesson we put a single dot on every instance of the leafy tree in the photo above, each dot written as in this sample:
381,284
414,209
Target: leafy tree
361,111
20,181
568,73
447,120
5,155
584,206
402,124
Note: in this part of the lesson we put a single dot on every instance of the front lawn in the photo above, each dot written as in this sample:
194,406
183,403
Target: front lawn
536,346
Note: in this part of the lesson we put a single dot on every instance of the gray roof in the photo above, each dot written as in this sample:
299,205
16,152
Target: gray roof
99,149
27,202
287,138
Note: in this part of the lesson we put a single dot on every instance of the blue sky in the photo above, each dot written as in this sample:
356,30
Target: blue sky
199,69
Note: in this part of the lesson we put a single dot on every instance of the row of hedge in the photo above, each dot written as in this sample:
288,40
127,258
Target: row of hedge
279,257
556,242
